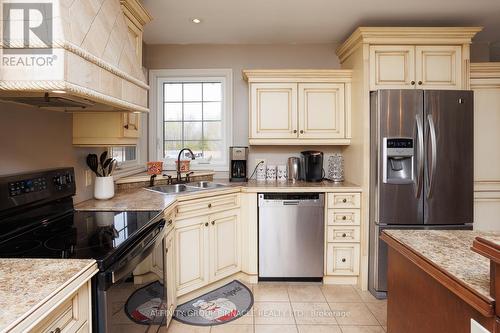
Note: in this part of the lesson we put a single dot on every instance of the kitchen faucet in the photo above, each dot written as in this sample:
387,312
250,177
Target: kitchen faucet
179,162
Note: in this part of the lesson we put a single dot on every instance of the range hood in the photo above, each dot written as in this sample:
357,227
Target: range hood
73,55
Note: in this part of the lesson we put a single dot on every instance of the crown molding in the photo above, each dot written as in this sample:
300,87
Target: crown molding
406,35
134,10
297,75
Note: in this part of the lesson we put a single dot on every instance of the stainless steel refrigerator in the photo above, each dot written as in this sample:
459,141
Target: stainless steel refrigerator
421,167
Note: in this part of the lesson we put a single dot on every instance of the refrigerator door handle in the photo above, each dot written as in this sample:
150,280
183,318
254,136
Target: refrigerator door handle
420,157
432,134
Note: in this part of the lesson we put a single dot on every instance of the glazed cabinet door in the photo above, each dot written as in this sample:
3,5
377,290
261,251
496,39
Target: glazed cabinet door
321,110
438,67
171,285
131,125
191,252
225,242
392,67
273,111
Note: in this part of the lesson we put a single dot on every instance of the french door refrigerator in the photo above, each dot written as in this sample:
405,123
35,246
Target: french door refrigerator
421,167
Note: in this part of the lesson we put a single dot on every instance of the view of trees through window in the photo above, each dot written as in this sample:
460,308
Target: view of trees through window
193,119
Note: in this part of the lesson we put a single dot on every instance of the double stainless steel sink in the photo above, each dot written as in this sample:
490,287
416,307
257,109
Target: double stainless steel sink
188,187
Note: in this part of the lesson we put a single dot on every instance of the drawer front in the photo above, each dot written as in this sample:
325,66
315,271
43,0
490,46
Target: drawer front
70,317
344,234
208,205
344,217
342,259
344,200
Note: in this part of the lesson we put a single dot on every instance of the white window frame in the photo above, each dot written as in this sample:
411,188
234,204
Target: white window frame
157,77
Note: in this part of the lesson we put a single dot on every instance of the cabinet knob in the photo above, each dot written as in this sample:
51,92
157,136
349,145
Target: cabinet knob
419,83
213,222
209,205
344,200
206,224
344,217
57,330
343,259
344,235
301,131
412,83
294,131
169,222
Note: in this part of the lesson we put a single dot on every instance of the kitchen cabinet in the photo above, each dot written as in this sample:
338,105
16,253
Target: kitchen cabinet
415,67
393,57
485,82
299,107
171,275
105,129
136,17
207,249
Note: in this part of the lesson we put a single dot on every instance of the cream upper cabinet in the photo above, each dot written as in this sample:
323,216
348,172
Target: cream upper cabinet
225,244
420,67
273,110
438,67
392,67
299,107
321,110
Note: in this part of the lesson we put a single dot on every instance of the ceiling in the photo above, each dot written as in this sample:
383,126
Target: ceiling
306,21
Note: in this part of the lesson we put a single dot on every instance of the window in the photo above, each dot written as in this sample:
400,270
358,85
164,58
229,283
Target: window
193,111
124,155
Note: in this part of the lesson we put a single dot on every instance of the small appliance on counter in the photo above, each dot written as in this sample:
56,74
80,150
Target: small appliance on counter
239,163
313,165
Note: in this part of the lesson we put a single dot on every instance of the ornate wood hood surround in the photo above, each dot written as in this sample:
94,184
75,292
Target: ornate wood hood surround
91,62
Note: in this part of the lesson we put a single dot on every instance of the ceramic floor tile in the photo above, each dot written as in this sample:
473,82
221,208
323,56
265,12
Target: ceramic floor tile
270,293
365,295
229,328
353,314
301,293
385,328
273,313
340,293
247,319
177,327
319,329
362,329
313,313
275,329
379,310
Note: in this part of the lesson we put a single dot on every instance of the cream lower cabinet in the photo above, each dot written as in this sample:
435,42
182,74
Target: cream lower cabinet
207,249
170,271
420,67
485,81
299,107
343,226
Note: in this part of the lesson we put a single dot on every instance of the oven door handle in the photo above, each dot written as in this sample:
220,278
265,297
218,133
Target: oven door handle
116,272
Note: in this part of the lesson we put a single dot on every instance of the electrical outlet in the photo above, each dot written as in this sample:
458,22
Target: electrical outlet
258,160
88,177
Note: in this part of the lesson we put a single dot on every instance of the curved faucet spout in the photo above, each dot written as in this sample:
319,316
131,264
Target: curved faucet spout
179,162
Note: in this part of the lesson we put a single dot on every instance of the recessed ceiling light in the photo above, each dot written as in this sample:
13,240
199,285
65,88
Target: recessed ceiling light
195,20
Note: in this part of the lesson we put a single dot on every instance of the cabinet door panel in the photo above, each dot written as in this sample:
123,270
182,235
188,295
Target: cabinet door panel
273,110
225,244
321,110
171,276
392,67
438,67
342,259
191,248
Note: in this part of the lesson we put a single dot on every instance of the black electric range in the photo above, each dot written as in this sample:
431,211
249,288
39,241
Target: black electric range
38,220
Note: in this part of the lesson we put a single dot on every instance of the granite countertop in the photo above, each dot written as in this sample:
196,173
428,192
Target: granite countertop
450,250
27,283
141,199
491,238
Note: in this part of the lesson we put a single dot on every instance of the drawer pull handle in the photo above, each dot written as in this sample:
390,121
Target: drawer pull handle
344,217
344,235
206,224
209,205
344,200
213,222
169,222
343,259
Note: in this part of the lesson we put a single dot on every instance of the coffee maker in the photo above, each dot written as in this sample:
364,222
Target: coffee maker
238,164
312,165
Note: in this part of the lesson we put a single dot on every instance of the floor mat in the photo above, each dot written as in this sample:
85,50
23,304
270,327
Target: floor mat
144,306
217,307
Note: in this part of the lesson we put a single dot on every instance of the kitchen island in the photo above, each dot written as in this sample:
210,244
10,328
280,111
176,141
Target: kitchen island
436,283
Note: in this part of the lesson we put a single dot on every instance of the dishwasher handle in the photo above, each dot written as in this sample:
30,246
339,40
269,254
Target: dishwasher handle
290,202
291,199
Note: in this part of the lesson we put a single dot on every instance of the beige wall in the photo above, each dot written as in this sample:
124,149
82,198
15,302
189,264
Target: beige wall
33,139
239,57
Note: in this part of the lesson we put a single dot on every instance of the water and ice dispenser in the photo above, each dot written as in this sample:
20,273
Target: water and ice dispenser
398,159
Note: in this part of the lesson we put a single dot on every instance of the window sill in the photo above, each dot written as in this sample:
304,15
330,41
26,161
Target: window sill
128,171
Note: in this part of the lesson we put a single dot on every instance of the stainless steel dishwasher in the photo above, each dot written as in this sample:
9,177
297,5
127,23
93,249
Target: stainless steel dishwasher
291,236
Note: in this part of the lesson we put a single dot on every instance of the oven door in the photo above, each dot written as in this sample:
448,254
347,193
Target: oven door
131,295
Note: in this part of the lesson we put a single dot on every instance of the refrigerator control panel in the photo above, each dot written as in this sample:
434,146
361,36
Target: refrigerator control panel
398,159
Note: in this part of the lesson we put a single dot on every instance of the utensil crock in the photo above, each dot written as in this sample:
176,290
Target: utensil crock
104,188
